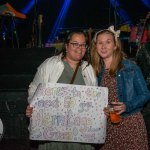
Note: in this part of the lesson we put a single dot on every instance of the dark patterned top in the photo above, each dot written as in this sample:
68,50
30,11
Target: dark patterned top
130,133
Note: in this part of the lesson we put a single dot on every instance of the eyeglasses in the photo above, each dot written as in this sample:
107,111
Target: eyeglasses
77,45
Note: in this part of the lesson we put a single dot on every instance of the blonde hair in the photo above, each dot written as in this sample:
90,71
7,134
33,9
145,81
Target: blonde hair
118,55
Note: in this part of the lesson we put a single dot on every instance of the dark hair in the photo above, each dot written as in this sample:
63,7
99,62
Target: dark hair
68,38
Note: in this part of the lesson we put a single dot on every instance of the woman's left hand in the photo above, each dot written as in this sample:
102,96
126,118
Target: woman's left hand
119,107
106,111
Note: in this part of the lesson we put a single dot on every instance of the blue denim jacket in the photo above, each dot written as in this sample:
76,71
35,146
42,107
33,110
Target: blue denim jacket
132,88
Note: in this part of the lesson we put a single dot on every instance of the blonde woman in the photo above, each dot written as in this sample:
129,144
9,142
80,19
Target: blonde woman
127,92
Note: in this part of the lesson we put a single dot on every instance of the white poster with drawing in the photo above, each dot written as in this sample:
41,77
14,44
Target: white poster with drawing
72,113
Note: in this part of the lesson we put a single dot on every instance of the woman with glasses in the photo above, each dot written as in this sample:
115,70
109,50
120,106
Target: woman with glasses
60,69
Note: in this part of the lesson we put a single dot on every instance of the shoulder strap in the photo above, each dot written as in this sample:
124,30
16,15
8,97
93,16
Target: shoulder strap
74,75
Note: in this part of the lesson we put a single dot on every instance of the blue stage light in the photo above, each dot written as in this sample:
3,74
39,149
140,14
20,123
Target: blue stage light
123,16
60,21
28,7
146,3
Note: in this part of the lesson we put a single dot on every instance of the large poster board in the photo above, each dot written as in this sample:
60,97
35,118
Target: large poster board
72,113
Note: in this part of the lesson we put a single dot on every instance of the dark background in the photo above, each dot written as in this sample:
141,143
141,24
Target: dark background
82,14
18,65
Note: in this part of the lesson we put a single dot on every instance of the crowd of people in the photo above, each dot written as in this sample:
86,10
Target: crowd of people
103,63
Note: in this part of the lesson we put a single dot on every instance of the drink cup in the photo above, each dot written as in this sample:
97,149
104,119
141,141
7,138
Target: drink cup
114,117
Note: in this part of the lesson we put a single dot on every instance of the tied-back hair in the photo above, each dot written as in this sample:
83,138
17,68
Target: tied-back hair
118,56
67,40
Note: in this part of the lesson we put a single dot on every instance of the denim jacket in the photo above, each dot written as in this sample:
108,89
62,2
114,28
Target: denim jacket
131,86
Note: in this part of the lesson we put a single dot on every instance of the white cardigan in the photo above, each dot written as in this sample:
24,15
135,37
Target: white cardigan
50,71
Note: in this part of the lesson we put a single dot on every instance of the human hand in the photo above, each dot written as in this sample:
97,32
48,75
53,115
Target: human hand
29,111
119,107
106,111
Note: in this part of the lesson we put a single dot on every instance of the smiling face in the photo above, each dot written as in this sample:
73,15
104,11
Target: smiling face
76,47
105,45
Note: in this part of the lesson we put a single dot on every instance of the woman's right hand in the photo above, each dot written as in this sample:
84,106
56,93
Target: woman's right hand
29,111
106,111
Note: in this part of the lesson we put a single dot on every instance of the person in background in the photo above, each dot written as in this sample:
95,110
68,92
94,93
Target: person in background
143,60
60,69
127,92
143,55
